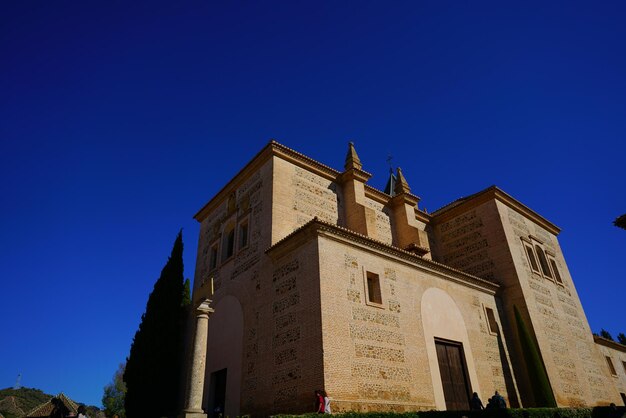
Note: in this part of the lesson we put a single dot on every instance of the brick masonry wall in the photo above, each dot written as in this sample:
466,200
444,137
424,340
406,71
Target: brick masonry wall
306,322
463,242
619,363
383,221
243,277
574,368
299,196
375,357
295,369
486,240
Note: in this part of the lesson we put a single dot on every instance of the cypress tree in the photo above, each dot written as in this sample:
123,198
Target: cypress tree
539,382
153,368
605,334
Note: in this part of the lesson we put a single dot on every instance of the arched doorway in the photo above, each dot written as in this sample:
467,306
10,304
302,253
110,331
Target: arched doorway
449,352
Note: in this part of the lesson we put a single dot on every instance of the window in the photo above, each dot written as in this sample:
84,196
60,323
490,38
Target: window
229,243
243,234
545,268
373,288
491,321
541,261
611,367
555,270
624,365
531,258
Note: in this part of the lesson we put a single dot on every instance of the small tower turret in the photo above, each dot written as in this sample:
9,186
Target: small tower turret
358,216
406,230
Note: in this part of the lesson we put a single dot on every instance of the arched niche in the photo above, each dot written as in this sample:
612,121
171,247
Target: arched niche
224,356
442,319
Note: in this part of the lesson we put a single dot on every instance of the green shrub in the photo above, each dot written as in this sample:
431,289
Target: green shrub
597,412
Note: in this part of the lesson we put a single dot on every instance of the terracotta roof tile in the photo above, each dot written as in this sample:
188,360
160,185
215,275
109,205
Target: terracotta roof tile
45,409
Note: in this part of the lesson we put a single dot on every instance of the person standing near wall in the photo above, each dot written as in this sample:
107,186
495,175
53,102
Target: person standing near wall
475,403
326,402
498,400
319,402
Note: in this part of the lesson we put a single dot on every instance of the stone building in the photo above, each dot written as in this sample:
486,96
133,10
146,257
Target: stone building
308,278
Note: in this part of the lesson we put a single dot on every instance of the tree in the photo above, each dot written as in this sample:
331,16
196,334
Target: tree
605,334
620,221
114,393
186,294
153,369
536,369
621,338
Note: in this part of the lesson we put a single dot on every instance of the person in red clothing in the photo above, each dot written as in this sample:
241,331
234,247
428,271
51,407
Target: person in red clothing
319,402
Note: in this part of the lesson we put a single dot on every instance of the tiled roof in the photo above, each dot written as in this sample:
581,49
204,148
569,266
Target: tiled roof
292,155
494,192
458,201
443,268
609,343
45,409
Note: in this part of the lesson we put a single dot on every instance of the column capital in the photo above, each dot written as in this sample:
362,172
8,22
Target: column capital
204,307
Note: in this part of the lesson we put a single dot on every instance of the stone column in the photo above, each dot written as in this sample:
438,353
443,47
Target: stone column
195,388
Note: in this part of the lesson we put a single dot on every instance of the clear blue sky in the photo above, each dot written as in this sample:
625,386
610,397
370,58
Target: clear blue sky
119,120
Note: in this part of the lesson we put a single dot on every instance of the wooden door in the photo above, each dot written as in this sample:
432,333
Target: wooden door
456,388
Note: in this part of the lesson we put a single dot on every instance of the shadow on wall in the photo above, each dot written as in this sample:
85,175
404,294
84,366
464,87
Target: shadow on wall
507,374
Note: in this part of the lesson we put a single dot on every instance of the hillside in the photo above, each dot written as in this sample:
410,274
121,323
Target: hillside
16,403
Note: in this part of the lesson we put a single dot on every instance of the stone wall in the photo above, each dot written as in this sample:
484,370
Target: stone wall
383,221
375,355
463,243
618,358
576,372
300,195
238,279
302,319
295,368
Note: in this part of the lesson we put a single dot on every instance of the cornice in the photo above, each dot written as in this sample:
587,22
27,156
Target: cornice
274,148
491,193
423,216
352,174
303,161
322,228
608,343
404,198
